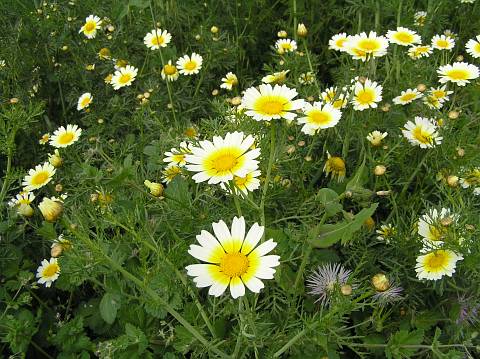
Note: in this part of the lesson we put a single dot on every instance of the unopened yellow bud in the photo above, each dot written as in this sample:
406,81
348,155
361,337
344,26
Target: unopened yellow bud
51,208
380,282
156,189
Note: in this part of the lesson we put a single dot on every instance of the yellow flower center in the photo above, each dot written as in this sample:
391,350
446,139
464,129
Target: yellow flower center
404,37
320,117
286,46
365,96
241,181
458,74
65,138
40,178
436,233
169,69
157,40
234,264
436,261
442,43
408,97
270,105
178,158
85,102
125,78
90,26
368,45
476,48
340,42
190,65
421,136
439,94
224,162
338,103
50,270
336,165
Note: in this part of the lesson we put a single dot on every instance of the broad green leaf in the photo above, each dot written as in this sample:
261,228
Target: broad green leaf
330,234
329,199
359,179
396,346
177,192
109,306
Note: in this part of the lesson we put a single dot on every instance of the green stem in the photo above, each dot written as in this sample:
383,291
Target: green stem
405,187
7,174
235,198
295,19
271,159
310,66
239,337
169,90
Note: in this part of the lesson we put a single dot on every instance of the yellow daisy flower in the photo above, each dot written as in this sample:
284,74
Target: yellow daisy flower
64,137
124,76
318,116
407,96
157,38
169,72
222,159
403,36
269,102
436,264
84,101
422,132
38,177
92,24
366,95
48,272
459,72
190,65
473,47
233,259
336,167
229,81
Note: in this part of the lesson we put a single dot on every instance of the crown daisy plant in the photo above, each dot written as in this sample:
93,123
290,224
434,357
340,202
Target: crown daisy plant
366,95
436,264
157,38
403,37
459,73
222,159
318,116
177,156
422,132
92,24
364,47
443,42
48,272
190,65
169,72
271,103
338,41
285,45
419,51
123,76
84,101
64,137
229,81
232,259
473,47
38,177
408,96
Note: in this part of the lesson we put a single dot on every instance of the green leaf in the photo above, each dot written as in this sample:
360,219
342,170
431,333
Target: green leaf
109,306
330,234
396,345
177,192
47,231
359,179
329,199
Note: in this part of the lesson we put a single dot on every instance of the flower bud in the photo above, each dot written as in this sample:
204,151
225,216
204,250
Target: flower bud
380,282
156,189
302,30
282,34
379,170
56,250
58,187
421,87
453,115
214,29
55,159
346,289
452,181
25,210
51,208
